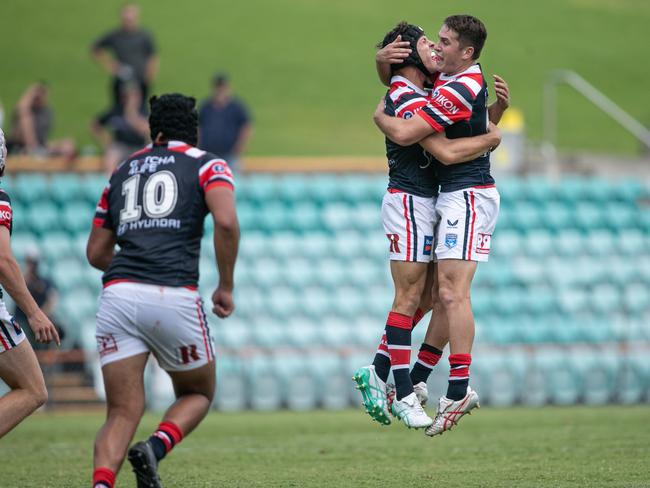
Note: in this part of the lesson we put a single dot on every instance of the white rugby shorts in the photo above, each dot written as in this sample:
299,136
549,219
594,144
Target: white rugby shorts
169,322
10,332
466,222
409,224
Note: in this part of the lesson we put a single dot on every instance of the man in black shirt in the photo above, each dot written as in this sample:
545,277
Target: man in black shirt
128,53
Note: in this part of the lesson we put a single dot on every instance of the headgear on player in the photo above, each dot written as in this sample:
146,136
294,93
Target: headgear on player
3,152
410,33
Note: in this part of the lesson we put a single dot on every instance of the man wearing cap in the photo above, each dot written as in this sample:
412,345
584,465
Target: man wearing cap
224,122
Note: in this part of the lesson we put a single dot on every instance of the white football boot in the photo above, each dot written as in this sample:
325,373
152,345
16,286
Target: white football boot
421,391
373,392
451,411
409,411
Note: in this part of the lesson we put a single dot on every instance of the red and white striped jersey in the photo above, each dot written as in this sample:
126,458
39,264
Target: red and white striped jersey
458,106
409,169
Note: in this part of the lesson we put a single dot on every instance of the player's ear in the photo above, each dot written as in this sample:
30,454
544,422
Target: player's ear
468,52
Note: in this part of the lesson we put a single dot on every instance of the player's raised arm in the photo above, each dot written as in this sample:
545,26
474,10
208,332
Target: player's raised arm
220,199
11,279
393,53
454,151
497,108
401,131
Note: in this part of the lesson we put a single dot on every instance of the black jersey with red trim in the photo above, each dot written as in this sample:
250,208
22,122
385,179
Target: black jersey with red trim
155,204
409,168
6,217
458,106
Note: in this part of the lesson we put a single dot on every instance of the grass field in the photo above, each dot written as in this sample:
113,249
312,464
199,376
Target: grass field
550,447
306,66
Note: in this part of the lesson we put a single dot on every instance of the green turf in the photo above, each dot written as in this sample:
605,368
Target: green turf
306,66
549,447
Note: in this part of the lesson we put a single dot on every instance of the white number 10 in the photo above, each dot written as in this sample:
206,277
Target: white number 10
159,200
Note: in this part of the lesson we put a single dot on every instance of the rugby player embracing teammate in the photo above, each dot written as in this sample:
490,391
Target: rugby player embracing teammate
468,204
408,215
19,367
154,208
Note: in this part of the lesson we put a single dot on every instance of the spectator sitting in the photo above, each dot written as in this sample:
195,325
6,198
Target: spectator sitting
42,290
123,129
224,123
128,53
31,126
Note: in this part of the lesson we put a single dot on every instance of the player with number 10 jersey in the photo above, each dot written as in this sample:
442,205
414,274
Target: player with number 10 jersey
154,209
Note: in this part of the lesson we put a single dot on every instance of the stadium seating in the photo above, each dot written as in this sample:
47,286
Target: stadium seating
570,265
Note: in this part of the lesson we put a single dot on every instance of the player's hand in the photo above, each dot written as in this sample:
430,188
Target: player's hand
494,133
43,328
379,111
394,53
502,92
222,303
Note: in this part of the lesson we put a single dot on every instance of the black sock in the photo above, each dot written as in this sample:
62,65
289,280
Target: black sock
382,360
428,357
158,447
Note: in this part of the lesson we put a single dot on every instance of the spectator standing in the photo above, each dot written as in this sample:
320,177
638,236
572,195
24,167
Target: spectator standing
32,124
224,123
128,53
42,291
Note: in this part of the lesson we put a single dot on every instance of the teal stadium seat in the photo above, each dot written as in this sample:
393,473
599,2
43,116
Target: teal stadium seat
527,216
55,246
338,217
557,216
231,393
316,302
539,243
296,375
569,243
605,298
77,217
636,298
68,274
602,368
619,216
630,242
294,188
43,217
248,215
66,187
28,189
264,385
634,377
274,216
262,189
92,187
305,217
332,380
588,216
21,241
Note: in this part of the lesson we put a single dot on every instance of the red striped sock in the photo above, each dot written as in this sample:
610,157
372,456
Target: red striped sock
428,357
398,335
103,478
417,316
458,375
165,438
382,359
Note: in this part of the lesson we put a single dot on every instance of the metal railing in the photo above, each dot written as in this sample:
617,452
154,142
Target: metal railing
595,96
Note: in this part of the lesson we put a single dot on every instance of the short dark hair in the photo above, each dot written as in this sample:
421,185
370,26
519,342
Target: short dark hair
410,33
174,115
471,31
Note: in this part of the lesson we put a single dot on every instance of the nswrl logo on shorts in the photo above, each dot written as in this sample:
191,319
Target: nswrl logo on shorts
451,240
428,244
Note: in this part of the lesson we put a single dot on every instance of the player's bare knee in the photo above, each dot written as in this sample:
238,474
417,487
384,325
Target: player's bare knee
40,396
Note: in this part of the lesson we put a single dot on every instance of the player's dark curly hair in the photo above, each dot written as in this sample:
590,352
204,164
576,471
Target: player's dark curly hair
410,33
174,116
471,32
